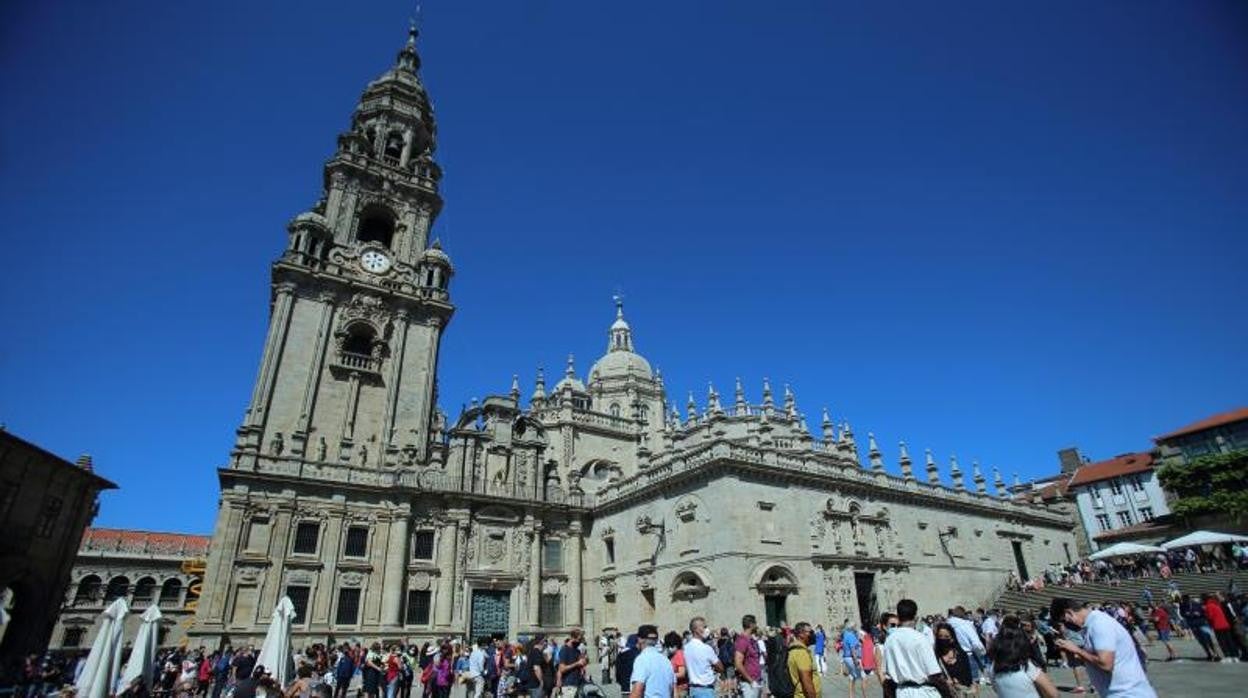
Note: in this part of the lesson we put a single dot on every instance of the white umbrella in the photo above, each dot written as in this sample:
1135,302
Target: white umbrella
1203,538
143,654
275,654
1120,549
104,661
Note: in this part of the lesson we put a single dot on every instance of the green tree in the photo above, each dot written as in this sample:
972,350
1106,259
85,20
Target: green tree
1216,484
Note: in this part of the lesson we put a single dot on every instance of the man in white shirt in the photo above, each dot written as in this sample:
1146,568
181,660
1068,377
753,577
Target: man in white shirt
968,640
476,667
908,657
701,661
652,671
989,626
1110,654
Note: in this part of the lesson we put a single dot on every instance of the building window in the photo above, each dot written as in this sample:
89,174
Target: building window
298,595
307,534
1115,486
1124,517
144,591
117,589
422,546
357,542
50,515
1102,521
1146,513
348,612
418,605
610,551
171,592
1097,501
73,636
552,555
376,225
89,590
550,613
162,634
615,409
1137,484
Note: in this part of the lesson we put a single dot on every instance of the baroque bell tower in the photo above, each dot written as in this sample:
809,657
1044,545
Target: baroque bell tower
360,298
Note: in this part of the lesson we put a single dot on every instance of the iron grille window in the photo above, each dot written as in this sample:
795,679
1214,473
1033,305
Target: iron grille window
1125,517
348,612
299,599
422,547
307,533
418,604
1115,486
357,541
73,636
550,613
1103,522
1146,513
552,555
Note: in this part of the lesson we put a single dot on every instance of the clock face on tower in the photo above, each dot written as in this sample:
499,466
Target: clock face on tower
374,261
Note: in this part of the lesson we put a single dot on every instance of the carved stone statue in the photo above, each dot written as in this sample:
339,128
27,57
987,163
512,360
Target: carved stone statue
321,448
277,445
363,454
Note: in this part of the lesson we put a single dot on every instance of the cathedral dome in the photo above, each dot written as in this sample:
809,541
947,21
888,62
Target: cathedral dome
621,361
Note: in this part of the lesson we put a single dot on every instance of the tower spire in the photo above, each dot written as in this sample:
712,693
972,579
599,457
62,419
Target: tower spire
740,407
933,473
907,470
873,453
539,388
955,474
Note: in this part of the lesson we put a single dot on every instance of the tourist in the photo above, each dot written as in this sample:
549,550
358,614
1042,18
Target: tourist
801,663
571,672
372,670
851,657
344,669
672,648
869,650
989,628
968,639
1193,614
701,661
476,667
956,664
1015,673
747,659
652,675
1221,628
392,671
821,638
908,658
443,673
303,684
1160,618
1108,651
537,668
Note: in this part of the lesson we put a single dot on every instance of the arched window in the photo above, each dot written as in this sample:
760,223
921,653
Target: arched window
615,409
144,590
117,588
171,592
88,590
376,225
359,342
394,148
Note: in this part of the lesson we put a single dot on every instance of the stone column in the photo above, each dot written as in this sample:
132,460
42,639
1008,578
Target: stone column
277,552
535,574
389,421
392,585
574,574
221,561
353,395
327,580
318,363
273,348
448,554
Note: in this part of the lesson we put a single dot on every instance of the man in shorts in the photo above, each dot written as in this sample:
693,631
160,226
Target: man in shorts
851,657
1160,618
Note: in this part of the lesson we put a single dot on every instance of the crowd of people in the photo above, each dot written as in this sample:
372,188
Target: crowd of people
952,654
1114,571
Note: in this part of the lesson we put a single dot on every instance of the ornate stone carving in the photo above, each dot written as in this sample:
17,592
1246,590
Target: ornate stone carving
352,579
300,577
551,585
608,586
687,509
645,580
495,547
421,581
249,575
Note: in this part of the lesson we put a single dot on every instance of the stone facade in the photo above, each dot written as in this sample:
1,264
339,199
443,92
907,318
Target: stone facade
596,504
144,568
46,503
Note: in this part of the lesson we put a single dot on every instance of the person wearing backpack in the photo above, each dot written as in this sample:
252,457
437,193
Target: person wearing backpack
801,663
779,683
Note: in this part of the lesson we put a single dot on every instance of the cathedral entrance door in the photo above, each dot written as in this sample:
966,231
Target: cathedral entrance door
773,604
868,611
490,613
1018,560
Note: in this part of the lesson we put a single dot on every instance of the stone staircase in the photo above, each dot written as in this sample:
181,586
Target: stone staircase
1130,590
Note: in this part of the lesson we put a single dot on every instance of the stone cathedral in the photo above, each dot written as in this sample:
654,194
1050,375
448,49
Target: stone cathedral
594,503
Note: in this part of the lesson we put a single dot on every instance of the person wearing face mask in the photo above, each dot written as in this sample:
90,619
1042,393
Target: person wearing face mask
701,660
671,645
807,683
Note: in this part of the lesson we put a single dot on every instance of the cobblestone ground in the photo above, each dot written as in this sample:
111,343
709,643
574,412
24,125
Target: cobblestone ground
1188,676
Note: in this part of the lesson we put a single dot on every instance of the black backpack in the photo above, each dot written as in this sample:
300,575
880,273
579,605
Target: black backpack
726,652
779,683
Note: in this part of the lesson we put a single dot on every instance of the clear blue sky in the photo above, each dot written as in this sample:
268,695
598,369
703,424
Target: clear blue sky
994,229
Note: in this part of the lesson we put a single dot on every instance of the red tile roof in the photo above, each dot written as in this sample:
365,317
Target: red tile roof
1114,467
1047,492
1216,420
144,542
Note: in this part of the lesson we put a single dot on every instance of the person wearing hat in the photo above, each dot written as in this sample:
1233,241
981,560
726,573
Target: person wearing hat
652,675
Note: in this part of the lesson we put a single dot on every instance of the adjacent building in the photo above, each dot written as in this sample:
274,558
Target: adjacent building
142,567
1219,433
46,503
597,502
1119,497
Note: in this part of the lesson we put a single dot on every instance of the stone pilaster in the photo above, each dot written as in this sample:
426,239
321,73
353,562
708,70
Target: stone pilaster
327,580
535,574
313,383
274,346
393,582
575,604
448,556
392,385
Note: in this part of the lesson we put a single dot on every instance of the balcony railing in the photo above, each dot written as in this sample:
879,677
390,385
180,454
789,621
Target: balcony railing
361,362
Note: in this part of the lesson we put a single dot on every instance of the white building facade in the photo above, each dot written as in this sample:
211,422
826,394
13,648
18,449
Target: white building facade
1116,494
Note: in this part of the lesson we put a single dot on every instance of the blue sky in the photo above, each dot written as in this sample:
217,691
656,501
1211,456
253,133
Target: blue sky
994,229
